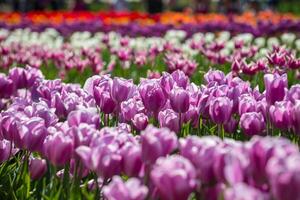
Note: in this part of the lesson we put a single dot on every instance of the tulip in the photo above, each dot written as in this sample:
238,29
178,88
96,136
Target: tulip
215,76
169,119
262,150
58,148
152,96
103,157
284,177
244,191
180,79
140,121
230,165
252,123
58,104
37,168
198,149
104,101
167,83
275,87
231,126
88,116
130,108
174,177
247,104
18,76
179,100
35,135
132,189
296,117
6,86
294,93
156,143
121,89
281,114
220,110
5,147
192,116
132,159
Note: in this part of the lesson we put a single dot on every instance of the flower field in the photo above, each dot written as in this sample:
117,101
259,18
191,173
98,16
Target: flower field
130,106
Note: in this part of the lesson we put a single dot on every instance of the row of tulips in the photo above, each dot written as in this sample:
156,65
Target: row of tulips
73,145
87,54
171,101
134,24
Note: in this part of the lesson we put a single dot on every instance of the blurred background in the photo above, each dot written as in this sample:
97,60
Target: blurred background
152,6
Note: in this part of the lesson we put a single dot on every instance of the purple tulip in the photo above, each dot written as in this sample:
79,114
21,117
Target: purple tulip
275,87
174,177
18,76
103,157
220,110
284,175
261,150
104,101
230,165
140,121
130,108
169,119
179,100
132,159
6,86
121,89
157,142
132,189
88,116
231,126
198,149
58,103
82,134
5,147
294,93
247,104
167,83
243,191
180,79
152,96
36,134
192,116
281,114
37,168
58,148
252,123
296,117
215,76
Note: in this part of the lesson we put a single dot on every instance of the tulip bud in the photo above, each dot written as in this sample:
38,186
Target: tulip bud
37,168
179,100
5,147
220,110
153,95
58,148
281,114
275,87
140,121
